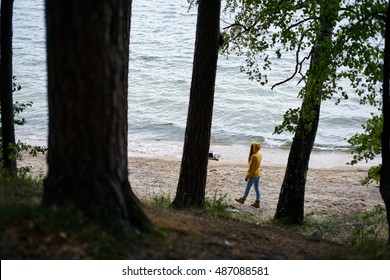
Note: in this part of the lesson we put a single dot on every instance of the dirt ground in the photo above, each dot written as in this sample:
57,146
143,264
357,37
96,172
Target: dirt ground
203,237
178,235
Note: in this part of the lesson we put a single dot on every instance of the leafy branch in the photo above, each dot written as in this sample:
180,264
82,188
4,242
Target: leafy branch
20,147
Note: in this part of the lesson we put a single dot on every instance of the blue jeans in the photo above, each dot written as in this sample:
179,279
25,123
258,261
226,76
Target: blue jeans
256,182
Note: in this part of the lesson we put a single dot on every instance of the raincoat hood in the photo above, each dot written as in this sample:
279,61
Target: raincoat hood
256,147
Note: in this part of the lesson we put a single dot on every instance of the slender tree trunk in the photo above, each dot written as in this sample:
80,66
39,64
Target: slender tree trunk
290,206
87,94
193,173
7,112
136,214
291,199
385,170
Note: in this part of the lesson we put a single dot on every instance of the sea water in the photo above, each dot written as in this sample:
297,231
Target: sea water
161,56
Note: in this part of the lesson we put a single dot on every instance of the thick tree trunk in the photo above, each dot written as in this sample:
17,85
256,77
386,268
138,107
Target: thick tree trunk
290,206
385,171
87,96
7,112
192,181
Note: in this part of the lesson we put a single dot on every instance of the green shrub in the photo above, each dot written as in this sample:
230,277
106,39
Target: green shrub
371,227
216,204
21,189
160,200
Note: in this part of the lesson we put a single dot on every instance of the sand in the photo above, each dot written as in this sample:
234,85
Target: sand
334,189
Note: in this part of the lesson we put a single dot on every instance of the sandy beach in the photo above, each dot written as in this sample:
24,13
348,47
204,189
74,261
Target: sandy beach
328,191
331,189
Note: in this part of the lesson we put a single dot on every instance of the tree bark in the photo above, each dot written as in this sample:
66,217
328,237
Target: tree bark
290,208
7,112
193,173
385,170
87,96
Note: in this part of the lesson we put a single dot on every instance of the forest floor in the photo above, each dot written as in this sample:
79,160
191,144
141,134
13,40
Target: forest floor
189,235
179,235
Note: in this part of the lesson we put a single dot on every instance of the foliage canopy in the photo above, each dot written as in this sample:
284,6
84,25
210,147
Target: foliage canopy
266,30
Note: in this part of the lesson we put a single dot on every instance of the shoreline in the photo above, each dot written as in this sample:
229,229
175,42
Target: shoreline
237,154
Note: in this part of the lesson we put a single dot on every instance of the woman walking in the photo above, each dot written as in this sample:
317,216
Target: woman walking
253,174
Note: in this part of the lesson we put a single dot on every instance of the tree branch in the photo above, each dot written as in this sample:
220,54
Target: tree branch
244,27
300,22
298,65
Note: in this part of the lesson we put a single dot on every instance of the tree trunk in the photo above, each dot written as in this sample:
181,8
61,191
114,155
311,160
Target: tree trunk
291,199
193,173
87,96
290,206
7,112
385,170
